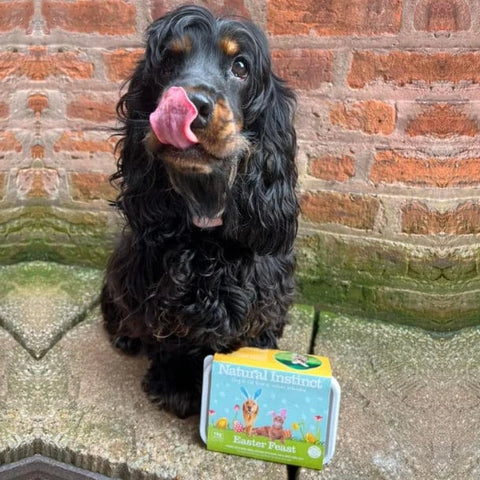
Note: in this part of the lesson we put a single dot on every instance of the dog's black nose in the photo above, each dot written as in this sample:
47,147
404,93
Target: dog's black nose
204,106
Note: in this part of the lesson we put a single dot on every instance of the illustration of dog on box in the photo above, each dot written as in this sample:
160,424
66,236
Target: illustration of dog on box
250,409
275,431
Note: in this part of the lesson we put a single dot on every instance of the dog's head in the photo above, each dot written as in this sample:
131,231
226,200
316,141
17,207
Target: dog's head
206,70
250,408
277,421
205,103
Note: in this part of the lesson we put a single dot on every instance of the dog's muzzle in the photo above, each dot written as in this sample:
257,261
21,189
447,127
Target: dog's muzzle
202,144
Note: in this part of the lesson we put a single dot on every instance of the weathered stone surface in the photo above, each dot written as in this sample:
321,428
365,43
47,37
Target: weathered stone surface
409,401
56,234
390,281
41,301
81,402
409,398
434,287
298,332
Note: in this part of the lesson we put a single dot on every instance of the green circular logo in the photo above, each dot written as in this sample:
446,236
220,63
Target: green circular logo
297,361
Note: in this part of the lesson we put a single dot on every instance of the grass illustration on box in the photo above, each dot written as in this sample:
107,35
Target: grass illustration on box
294,442
277,414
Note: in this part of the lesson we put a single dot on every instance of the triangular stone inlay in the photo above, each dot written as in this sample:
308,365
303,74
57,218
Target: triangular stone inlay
40,302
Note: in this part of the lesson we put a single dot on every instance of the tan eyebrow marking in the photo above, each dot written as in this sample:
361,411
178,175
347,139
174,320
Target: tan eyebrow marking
229,47
181,45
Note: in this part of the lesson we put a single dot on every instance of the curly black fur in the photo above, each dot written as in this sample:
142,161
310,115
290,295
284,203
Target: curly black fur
172,289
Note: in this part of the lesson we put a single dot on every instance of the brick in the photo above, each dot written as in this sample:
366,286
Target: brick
38,152
16,14
39,65
37,102
121,63
336,17
78,142
304,69
37,183
356,211
91,186
4,110
9,143
333,168
107,17
86,108
228,7
396,167
371,116
442,15
418,219
442,121
400,68
12,63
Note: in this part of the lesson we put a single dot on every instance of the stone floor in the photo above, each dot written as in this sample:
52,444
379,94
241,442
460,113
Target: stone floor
410,400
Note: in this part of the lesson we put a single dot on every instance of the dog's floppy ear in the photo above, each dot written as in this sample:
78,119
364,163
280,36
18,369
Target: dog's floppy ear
145,192
132,111
269,208
137,172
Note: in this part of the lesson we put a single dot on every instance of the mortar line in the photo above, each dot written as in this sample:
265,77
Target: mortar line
315,327
293,472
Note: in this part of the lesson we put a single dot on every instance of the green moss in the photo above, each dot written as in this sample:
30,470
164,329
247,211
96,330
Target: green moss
70,279
56,234
375,277
391,281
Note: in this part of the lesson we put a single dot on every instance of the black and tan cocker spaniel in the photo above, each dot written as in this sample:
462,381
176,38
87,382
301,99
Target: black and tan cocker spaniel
207,178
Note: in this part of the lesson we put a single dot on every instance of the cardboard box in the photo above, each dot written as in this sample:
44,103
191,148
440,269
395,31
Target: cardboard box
272,405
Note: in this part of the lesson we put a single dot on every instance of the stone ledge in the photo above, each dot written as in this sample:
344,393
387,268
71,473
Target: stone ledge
436,288
409,408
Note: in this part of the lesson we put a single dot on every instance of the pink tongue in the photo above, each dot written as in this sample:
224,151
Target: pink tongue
205,222
173,117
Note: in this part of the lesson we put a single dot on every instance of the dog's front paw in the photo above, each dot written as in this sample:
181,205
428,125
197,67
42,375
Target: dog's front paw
128,345
181,403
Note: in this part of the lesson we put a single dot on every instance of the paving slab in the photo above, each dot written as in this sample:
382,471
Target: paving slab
297,335
80,402
40,301
101,412
410,401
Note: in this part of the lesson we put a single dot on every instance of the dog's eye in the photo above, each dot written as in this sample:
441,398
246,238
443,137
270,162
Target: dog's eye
240,68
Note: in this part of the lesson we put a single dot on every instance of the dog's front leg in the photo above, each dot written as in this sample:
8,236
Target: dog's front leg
174,382
111,321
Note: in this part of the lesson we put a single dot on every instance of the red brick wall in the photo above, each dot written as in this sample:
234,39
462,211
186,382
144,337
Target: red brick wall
388,120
